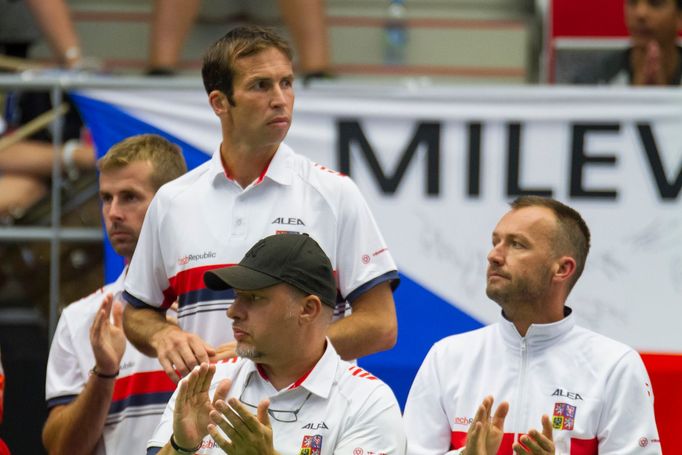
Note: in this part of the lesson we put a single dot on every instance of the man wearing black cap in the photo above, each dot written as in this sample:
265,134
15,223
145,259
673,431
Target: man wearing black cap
304,397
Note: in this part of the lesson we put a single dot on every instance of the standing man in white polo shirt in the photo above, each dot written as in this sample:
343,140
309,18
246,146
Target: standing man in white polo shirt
288,392
253,186
104,396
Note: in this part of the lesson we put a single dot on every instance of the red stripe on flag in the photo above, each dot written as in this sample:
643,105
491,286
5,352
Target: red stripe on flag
584,446
665,372
141,383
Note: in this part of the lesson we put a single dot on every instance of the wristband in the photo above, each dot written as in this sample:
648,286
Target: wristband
72,53
67,158
102,375
182,450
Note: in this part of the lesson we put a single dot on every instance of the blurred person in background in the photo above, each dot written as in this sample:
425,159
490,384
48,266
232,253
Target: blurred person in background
26,168
54,19
653,58
26,162
305,19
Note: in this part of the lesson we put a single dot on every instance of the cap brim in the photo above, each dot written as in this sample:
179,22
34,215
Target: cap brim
238,277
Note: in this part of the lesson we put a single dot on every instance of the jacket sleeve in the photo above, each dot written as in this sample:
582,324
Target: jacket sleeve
426,422
627,424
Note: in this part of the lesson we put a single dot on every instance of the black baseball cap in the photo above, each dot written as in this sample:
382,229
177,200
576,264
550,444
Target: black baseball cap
295,259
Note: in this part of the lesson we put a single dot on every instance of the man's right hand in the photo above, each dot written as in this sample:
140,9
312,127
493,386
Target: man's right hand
486,430
106,337
179,351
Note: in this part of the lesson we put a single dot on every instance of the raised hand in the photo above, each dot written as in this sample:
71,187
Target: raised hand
193,405
248,434
106,337
486,431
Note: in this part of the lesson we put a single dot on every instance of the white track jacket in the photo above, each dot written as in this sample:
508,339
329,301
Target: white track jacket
595,390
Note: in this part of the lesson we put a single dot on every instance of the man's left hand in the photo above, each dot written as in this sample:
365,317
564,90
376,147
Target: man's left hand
537,443
248,434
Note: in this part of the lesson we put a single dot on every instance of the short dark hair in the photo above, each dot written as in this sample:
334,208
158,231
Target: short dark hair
218,71
572,236
165,157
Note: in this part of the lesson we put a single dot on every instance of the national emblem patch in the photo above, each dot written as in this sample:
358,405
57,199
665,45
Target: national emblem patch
311,445
563,417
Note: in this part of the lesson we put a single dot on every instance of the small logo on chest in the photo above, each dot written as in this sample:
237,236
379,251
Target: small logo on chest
288,221
311,445
565,394
315,426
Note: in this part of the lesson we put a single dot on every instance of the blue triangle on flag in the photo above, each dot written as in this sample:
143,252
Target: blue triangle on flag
423,319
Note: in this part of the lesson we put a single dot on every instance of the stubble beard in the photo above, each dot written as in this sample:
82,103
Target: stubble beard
522,291
248,352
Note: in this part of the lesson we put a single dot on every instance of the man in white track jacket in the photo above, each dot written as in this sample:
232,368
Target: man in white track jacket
586,394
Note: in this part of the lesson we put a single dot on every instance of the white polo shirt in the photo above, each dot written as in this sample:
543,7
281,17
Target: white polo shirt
595,390
204,220
342,409
141,390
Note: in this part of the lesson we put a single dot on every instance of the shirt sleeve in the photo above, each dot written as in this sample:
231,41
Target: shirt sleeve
426,422
65,377
147,284
627,422
376,428
164,428
362,254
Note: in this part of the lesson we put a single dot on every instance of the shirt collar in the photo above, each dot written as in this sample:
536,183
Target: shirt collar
538,335
278,170
318,381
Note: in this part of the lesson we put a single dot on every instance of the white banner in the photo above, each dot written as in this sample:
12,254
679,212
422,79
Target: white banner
438,167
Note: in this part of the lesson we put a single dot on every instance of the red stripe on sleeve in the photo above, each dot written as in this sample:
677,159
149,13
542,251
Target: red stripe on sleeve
192,279
141,383
169,296
458,440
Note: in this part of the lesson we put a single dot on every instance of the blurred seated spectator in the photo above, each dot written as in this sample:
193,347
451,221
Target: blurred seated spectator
654,58
26,151
25,170
305,20
17,29
26,160
55,22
